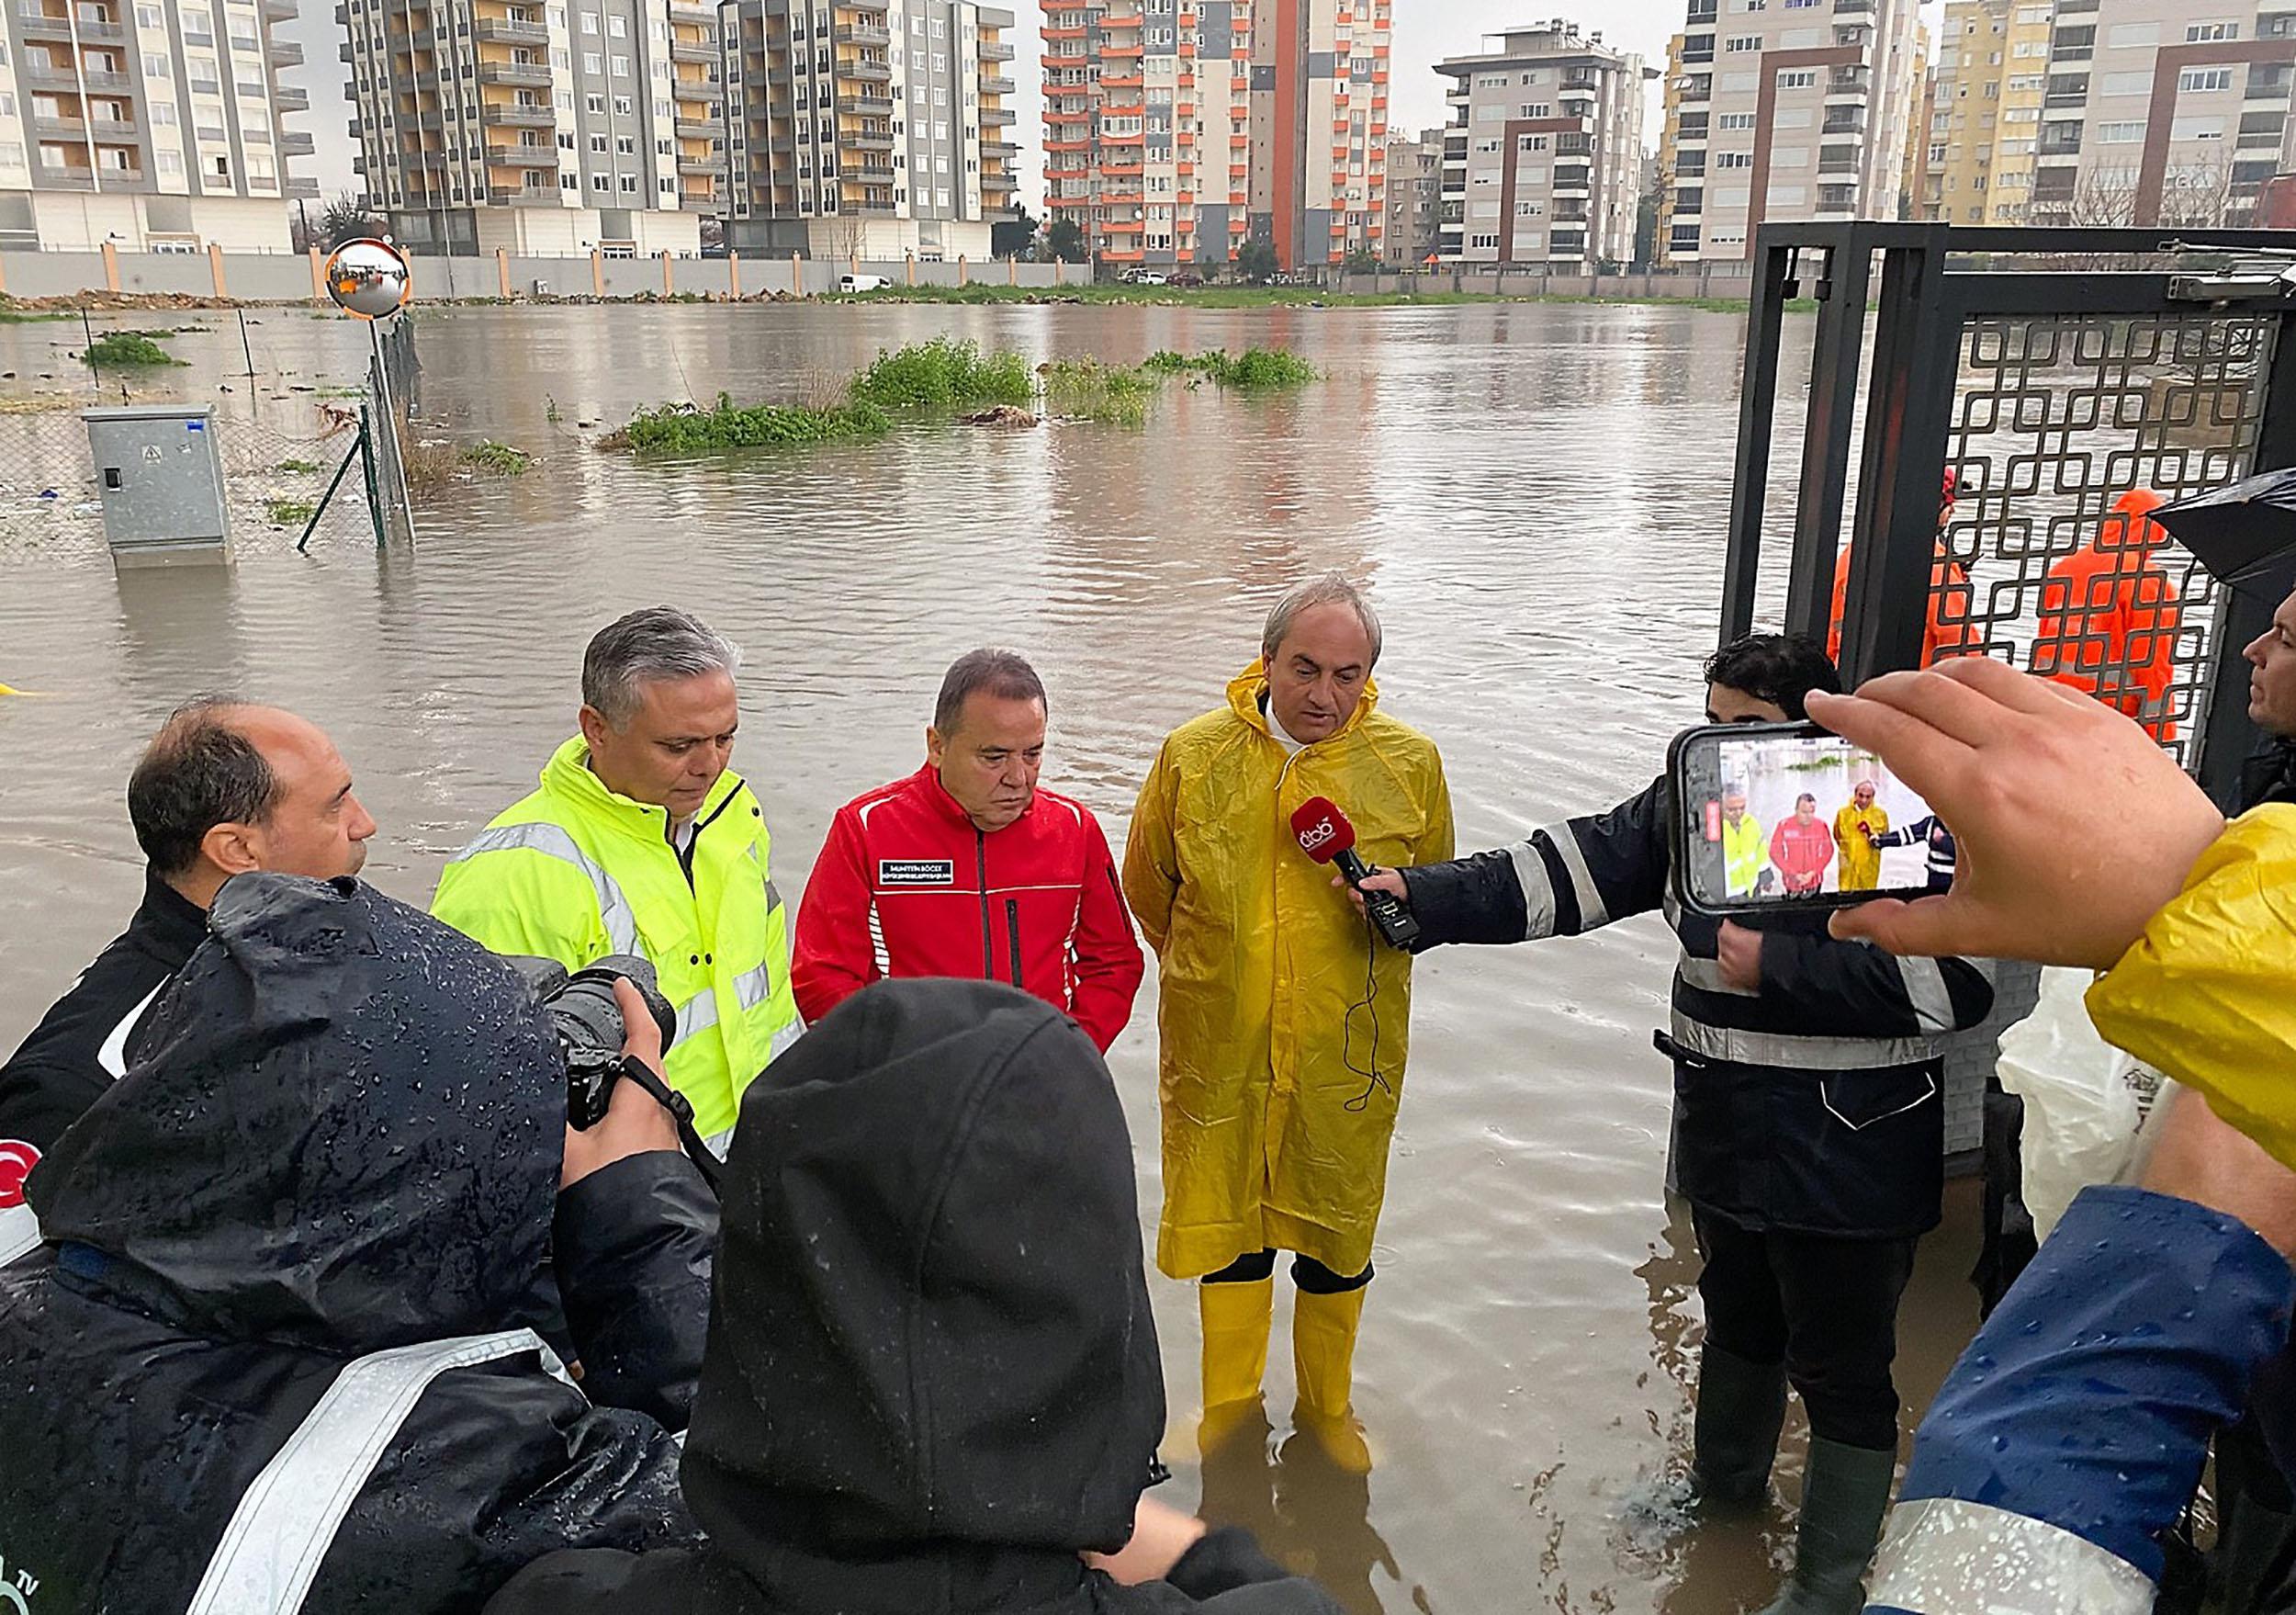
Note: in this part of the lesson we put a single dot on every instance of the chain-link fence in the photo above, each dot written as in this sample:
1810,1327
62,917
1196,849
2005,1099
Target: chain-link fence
286,414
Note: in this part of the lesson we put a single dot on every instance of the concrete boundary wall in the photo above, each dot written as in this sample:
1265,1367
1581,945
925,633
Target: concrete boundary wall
295,278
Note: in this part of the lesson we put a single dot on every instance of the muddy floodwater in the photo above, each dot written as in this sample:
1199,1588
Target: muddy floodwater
1537,495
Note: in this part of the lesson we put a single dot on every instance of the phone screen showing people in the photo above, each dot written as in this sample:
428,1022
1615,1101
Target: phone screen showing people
1770,815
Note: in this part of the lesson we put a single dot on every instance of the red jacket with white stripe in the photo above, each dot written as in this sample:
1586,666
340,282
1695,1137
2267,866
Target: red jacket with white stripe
907,886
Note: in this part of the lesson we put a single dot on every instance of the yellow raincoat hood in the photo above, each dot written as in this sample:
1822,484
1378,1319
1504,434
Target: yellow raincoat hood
1283,1019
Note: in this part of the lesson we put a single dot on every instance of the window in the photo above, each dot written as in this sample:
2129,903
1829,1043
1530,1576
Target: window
593,63
617,27
590,23
1538,110
1733,159
1742,42
565,141
626,146
2205,78
599,182
629,183
622,67
162,114
2199,33
598,144
2197,129
1799,79
595,106
622,105
1734,121
2121,134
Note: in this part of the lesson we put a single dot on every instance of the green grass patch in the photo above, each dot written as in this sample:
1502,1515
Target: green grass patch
289,512
302,468
121,349
944,374
677,428
10,314
1165,362
499,458
1086,389
1254,369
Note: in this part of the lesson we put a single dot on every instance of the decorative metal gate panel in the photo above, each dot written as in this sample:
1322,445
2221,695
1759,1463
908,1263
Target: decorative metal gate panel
2050,394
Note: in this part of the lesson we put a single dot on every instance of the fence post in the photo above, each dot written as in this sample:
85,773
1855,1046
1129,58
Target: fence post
852,263
597,274
796,273
912,269
733,273
668,287
1012,270
111,268
215,268
960,269
1060,272
319,277
502,271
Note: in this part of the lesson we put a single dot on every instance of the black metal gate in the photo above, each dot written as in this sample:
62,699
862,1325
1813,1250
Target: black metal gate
2049,391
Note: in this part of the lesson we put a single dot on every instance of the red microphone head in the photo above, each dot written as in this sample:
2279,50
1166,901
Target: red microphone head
1323,831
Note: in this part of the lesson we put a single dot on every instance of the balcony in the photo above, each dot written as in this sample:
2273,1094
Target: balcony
522,196
700,53
862,33
107,81
522,156
996,52
869,106
996,84
534,73
874,73
289,99
1850,80
503,30
292,142
867,173
63,179
701,167
998,116
509,115
1000,182
282,53
868,141
693,11
41,25
59,128
698,128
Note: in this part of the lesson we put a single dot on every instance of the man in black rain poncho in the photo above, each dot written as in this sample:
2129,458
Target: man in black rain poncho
283,1347
932,1378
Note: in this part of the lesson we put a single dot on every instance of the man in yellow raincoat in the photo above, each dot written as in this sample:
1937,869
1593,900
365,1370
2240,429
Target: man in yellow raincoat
1744,846
1283,1017
1861,820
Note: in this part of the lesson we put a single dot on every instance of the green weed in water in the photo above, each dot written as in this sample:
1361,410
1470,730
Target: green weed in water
1086,389
498,457
683,429
288,512
944,374
127,348
300,468
1255,368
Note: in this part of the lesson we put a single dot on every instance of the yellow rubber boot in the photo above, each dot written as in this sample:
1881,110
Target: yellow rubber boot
1235,1319
1324,1356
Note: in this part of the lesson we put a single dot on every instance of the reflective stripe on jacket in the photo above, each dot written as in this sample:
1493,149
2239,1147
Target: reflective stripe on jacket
1278,1096
576,872
907,886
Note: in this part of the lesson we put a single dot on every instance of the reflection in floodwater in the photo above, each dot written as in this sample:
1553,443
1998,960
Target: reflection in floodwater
1537,493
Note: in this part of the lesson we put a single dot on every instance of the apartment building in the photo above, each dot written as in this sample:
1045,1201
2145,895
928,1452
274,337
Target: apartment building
872,128
1984,119
1543,161
1175,128
547,126
1414,174
2162,111
155,126
1794,110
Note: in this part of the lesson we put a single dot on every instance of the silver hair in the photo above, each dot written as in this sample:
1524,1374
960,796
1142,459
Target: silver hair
1331,589
660,642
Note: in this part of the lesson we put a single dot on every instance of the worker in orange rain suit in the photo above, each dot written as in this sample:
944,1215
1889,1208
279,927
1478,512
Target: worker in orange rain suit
1951,597
2109,617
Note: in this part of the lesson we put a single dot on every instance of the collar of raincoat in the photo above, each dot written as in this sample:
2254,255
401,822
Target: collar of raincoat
1247,687
567,773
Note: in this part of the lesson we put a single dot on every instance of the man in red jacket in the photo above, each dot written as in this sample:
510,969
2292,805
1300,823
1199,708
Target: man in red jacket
966,868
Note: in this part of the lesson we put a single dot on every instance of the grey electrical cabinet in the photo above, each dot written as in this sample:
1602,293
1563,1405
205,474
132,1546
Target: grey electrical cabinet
160,472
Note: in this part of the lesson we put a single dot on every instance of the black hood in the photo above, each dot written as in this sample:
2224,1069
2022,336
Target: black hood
342,1128
932,1374
2269,775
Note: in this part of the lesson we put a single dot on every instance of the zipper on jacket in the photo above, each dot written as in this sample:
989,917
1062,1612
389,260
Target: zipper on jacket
1012,933
988,934
685,854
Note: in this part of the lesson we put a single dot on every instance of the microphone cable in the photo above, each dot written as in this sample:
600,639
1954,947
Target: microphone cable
1369,1003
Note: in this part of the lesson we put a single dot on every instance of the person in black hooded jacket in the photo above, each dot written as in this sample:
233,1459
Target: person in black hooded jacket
284,1345
932,1383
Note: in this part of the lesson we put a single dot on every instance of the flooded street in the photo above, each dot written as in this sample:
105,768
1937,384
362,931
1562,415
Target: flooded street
1537,496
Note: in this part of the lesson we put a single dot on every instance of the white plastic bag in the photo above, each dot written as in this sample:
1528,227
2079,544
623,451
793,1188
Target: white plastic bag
2086,1101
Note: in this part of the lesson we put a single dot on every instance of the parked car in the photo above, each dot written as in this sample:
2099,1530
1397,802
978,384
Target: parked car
863,283
1184,279
1142,277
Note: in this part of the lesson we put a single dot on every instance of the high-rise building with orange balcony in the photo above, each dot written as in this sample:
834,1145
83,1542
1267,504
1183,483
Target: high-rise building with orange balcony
153,127
872,128
540,127
1177,129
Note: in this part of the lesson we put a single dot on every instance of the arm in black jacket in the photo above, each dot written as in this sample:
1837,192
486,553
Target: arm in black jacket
633,1246
1849,989
1561,881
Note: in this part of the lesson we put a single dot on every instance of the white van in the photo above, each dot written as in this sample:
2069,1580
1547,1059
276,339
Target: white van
863,283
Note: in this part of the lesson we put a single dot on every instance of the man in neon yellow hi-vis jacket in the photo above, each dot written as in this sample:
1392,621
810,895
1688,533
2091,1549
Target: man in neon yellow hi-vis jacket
1283,1019
642,840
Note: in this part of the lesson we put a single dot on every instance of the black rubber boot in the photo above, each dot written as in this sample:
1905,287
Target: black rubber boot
1845,1492
1741,1407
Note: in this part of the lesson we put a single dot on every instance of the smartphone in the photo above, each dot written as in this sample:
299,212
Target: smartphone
1778,816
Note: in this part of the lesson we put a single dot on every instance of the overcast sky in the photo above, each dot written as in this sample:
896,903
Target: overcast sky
1425,31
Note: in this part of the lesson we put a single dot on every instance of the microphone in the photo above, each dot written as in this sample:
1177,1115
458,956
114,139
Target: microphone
1326,836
